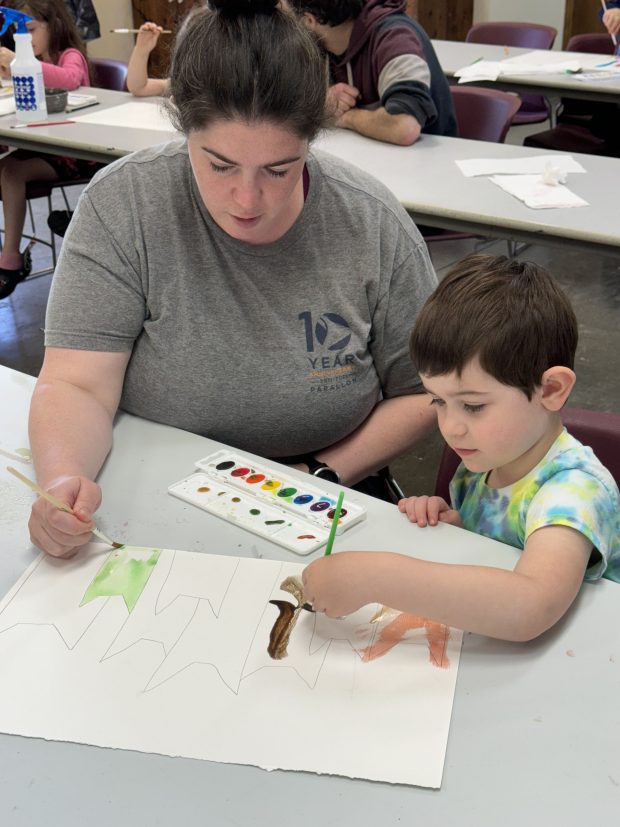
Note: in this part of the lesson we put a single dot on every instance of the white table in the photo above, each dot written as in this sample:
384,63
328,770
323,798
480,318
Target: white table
535,732
96,142
430,186
423,177
454,55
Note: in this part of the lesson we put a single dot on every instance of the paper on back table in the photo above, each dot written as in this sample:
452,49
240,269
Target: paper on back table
131,115
518,166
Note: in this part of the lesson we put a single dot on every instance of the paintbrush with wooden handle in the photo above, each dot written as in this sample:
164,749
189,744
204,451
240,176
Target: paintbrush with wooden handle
58,503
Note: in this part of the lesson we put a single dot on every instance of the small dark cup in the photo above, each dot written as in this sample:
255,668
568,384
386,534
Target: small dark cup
56,100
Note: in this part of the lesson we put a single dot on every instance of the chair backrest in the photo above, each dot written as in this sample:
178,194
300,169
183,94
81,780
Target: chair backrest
527,35
599,43
601,431
483,114
109,74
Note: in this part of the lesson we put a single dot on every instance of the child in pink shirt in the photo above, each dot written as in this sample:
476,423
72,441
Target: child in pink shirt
57,44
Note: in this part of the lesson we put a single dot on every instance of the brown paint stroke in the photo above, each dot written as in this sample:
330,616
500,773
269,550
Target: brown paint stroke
287,618
437,636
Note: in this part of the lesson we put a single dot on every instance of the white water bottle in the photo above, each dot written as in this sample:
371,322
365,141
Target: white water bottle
28,86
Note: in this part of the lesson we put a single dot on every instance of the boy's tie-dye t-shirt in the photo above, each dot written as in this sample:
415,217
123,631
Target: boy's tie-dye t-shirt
568,487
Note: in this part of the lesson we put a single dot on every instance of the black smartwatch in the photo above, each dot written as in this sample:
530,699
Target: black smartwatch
320,469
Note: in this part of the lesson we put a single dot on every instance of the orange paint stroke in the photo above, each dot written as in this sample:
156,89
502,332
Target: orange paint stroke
437,636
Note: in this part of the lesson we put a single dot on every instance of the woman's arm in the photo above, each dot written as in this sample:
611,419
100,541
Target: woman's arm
514,605
71,415
392,428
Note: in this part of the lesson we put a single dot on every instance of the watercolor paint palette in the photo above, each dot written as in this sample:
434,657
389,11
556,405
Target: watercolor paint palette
261,499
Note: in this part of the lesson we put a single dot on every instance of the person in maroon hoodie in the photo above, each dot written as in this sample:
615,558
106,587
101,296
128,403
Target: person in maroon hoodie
386,79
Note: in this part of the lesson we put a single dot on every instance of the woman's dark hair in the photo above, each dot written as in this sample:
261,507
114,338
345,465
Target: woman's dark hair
510,315
63,33
248,60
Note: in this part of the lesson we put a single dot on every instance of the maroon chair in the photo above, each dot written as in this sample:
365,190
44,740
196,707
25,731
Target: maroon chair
534,108
599,430
598,43
574,129
483,114
109,74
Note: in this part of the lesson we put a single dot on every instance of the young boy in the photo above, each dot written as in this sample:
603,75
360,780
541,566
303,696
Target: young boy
494,346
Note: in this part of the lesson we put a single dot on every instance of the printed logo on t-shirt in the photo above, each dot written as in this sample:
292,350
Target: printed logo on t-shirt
327,337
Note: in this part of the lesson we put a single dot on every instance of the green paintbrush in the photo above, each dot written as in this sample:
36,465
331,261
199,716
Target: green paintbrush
332,532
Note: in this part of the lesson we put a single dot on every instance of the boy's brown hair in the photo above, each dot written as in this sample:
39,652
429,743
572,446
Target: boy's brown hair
511,315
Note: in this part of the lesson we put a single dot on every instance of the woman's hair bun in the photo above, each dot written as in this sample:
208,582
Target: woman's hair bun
248,8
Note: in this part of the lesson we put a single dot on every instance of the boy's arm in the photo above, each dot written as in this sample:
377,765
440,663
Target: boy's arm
514,605
401,129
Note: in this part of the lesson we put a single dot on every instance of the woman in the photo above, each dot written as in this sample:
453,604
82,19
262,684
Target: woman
233,284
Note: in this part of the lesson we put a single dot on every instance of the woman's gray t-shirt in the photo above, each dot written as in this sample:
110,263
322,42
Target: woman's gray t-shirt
278,349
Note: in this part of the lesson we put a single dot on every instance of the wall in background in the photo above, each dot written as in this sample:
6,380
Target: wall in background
549,12
118,14
113,14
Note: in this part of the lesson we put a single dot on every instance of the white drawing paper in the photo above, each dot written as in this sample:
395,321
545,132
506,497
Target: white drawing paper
166,652
131,115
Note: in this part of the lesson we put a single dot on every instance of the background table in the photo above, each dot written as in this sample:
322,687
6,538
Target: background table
455,55
423,177
427,182
96,142
535,730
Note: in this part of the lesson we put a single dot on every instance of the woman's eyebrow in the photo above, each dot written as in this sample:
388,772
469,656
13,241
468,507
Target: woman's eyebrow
235,163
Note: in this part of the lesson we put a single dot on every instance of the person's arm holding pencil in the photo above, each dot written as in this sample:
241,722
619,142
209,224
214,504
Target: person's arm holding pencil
611,20
138,81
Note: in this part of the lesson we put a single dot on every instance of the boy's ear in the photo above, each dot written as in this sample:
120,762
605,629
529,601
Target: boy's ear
555,387
309,20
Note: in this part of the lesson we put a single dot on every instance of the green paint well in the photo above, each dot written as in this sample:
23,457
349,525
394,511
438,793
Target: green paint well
122,576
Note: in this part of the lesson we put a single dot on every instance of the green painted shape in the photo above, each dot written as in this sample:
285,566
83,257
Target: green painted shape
122,576
26,453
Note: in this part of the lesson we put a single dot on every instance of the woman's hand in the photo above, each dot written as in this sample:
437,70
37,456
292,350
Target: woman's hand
148,36
429,511
58,533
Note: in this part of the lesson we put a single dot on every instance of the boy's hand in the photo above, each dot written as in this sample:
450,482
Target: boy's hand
429,511
339,584
148,36
340,98
58,533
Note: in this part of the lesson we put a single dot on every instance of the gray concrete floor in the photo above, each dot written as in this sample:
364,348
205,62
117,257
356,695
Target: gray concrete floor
591,281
